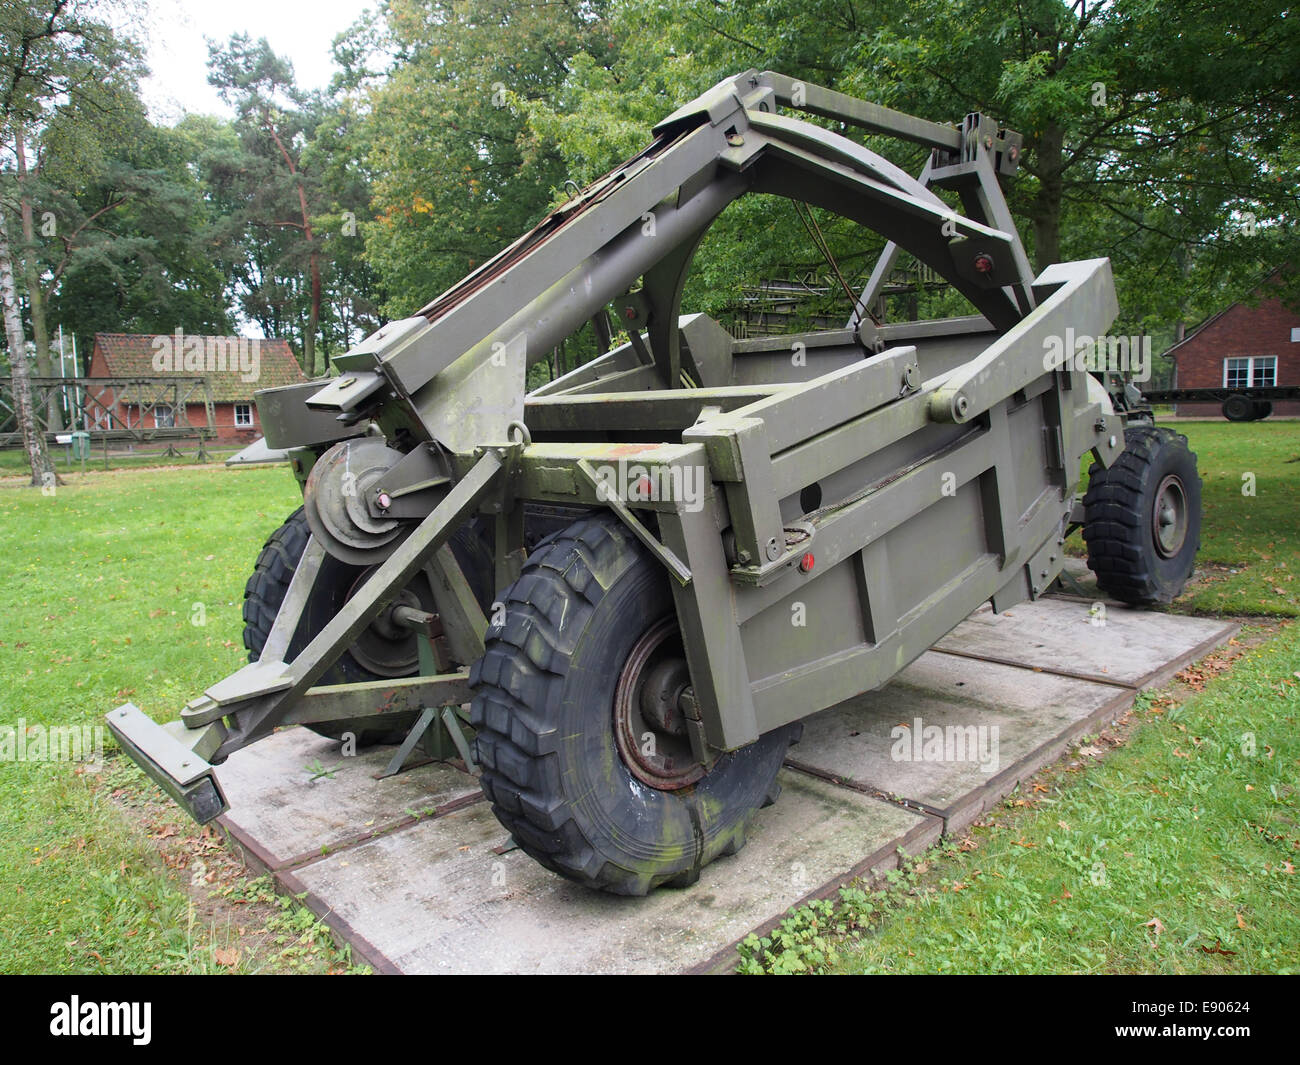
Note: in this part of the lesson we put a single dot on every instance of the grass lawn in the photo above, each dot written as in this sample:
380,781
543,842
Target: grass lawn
1251,499
1177,841
103,583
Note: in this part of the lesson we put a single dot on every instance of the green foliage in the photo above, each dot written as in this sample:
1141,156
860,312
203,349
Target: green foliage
1158,133
811,938
114,219
1190,135
458,172
268,197
136,258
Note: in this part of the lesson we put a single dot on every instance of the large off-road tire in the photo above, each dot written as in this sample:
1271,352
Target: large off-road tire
1142,517
266,588
1262,409
587,629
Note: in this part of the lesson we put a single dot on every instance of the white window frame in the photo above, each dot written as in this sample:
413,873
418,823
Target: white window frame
1253,362
1228,367
246,423
170,423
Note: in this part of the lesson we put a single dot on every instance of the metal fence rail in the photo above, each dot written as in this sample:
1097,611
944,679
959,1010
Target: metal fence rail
128,409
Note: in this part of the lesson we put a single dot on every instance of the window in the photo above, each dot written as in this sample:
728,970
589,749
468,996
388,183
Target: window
164,418
243,416
1254,371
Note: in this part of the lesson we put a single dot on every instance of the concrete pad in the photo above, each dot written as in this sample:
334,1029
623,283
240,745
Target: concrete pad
412,871
283,812
1022,719
436,897
1135,648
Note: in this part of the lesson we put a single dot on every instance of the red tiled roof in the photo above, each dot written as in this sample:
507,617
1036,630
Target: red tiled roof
236,367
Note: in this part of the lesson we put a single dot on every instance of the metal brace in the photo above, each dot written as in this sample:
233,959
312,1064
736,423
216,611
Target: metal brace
674,564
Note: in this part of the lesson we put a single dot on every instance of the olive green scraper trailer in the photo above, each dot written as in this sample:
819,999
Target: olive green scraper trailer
617,596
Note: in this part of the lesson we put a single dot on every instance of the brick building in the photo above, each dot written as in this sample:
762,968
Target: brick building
1242,346
235,367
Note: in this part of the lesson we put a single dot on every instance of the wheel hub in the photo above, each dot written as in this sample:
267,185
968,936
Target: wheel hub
1169,516
649,726
386,647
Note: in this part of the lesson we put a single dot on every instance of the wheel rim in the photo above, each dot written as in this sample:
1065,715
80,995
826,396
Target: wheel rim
649,728
1169,516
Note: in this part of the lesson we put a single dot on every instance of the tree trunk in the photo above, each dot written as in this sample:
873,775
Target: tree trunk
33,439
1049,159
309,340
313,324
35,296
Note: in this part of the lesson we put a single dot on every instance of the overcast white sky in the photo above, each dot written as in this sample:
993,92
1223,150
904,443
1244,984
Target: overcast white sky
301,30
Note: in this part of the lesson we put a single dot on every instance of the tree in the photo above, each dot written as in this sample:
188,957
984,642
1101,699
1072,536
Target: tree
38,455
135,250
1160,133
274,193
1151,127
54,56
458,171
